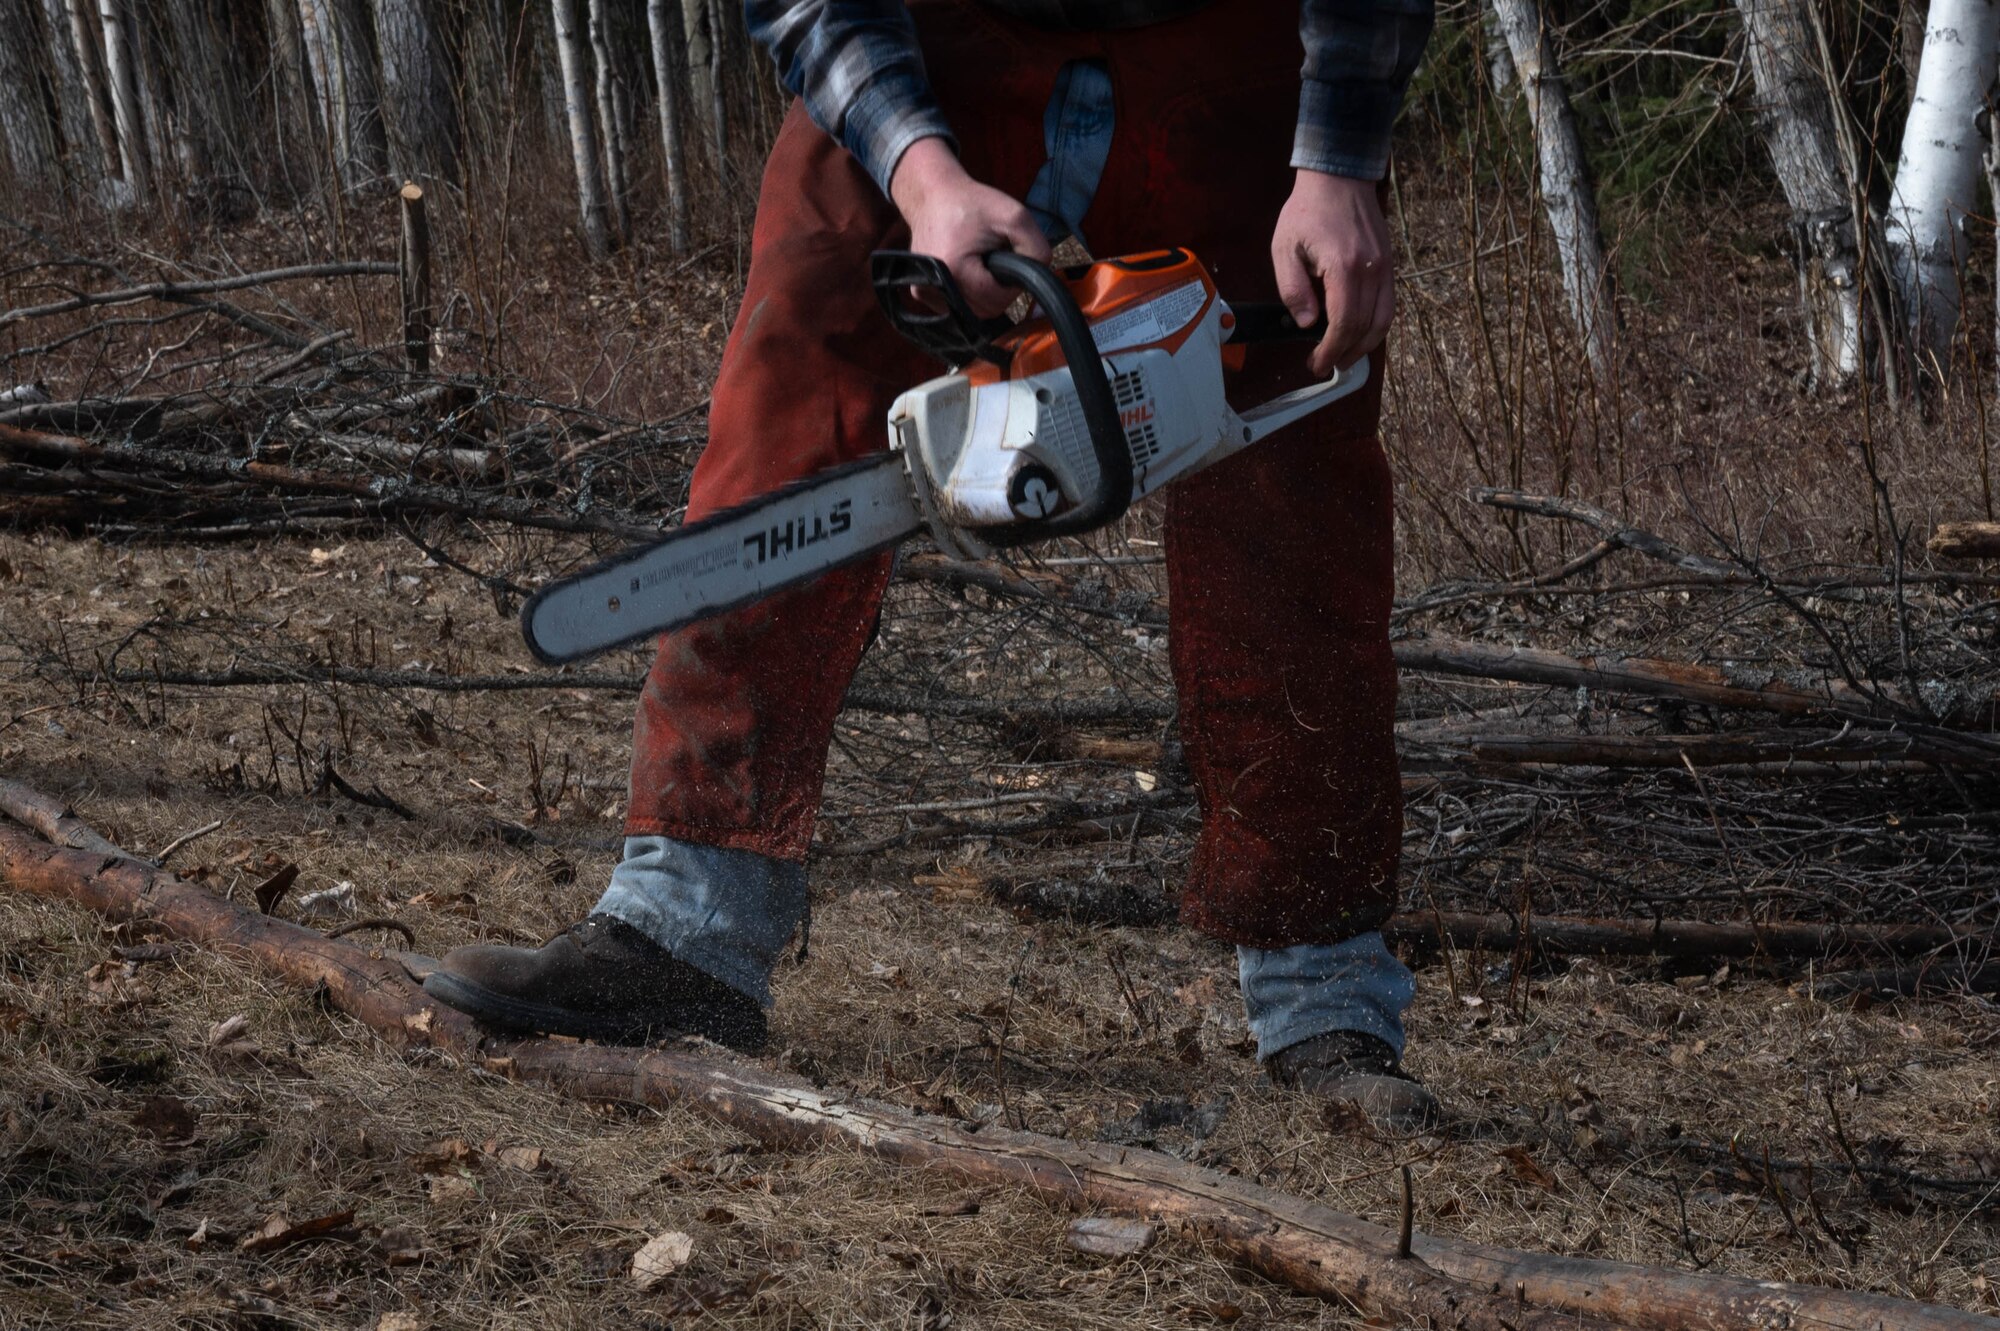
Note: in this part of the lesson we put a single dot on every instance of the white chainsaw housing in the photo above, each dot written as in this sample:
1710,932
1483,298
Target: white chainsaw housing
988,455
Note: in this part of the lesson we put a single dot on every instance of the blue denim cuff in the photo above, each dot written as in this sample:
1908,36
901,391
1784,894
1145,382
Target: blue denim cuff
724,912
1291,994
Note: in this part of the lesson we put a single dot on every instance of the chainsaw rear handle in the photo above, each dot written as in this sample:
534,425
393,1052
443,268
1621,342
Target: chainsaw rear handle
958,335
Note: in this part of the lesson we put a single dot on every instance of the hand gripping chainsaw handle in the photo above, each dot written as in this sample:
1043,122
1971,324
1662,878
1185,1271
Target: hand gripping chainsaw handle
957,335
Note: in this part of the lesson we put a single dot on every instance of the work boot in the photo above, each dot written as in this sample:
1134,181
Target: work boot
598,980
1361,1069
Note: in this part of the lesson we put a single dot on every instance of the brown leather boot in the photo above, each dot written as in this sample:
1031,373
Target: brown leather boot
1357,1067
597,980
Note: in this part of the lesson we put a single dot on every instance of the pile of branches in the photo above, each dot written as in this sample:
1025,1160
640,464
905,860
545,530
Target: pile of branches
259,420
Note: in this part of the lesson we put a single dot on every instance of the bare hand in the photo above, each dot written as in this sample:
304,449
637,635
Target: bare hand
1332,238
955,218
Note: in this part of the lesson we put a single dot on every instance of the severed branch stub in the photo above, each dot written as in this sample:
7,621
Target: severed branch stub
1966,540
1449,1283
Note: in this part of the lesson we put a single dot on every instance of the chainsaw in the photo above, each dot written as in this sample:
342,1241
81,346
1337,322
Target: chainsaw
1110,389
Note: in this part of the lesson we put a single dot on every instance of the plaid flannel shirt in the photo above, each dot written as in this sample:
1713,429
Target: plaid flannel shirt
857,66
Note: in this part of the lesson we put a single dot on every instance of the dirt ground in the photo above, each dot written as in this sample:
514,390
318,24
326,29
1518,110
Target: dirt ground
1606,1110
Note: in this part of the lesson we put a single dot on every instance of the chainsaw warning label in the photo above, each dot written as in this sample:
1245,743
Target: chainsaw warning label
1150,321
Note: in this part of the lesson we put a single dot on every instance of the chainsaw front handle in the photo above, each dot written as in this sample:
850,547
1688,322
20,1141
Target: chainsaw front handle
1093,395
957,335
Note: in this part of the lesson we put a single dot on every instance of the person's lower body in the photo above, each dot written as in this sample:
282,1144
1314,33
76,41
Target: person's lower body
1279,560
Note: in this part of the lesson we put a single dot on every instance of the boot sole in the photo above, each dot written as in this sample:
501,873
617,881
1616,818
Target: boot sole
527,1018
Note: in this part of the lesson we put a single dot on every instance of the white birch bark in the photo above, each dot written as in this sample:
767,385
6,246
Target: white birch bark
24,123
122,77
611,121
1565,182
336,34
86,41
575,60
82,156
418,110
1937,175
663,19
298,114
1795,114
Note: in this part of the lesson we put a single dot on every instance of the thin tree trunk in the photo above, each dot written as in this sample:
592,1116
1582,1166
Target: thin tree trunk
611,121
575,59
122,78
1565,180
170,153
86,42
83,159
1937,176
296,117
718,89
336,36
669,65
24,122
700,33
1796,116
419,112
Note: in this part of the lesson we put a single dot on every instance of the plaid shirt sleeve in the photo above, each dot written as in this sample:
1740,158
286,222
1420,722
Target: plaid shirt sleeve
857,67
1359,58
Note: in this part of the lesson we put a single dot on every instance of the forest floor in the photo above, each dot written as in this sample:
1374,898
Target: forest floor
1727,1118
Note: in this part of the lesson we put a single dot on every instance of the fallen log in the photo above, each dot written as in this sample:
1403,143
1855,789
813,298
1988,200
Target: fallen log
52,818
1966,540
1450,1283
1706,940
389,494
882,702
1759,688
1772,749
181,292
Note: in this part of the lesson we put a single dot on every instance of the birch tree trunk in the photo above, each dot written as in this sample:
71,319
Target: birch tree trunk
1937,175
575,58
82,156
85,40
663,18
1565,181
1796,116
701,34
419,112
336,34
122,76
297,114
24,122
718,90
611,121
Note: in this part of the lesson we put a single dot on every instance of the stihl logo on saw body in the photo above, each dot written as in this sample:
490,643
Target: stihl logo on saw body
799,533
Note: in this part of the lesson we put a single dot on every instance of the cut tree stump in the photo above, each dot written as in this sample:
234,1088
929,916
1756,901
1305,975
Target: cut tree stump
1450,1283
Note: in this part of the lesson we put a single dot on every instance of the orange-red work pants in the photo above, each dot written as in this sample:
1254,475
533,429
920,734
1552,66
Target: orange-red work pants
1278,561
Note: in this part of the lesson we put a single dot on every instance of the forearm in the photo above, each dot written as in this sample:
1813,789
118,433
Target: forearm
858,69
1359,56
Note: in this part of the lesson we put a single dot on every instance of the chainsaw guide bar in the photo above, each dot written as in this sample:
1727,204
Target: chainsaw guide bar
726,560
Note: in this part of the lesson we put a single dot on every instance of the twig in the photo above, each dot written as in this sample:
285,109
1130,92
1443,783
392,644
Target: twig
183,839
